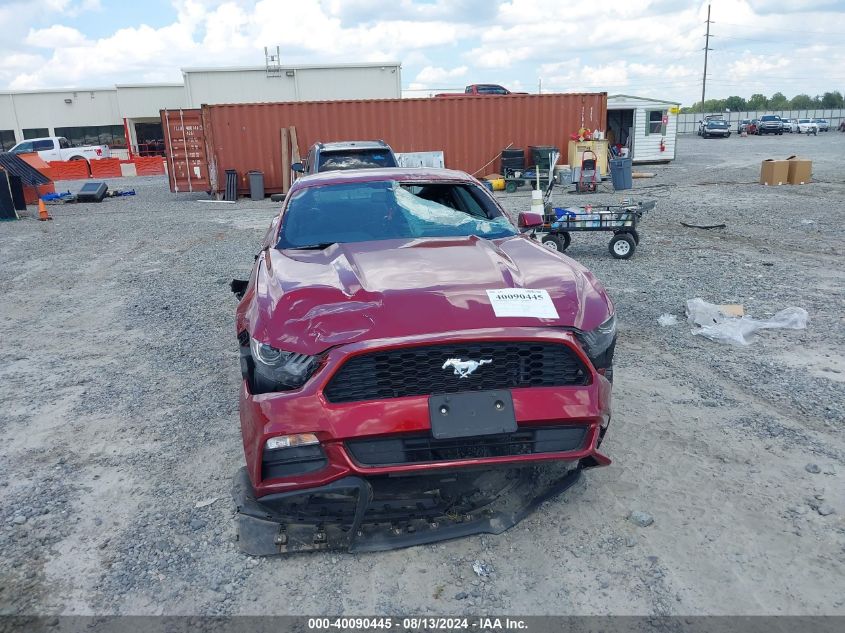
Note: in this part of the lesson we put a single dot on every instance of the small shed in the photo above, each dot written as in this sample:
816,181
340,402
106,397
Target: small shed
647,127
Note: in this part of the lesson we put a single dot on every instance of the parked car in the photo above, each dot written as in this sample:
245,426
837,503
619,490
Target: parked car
742,126
702,123
716,127
787,125
754,126
404,347
823,125
346,155
805,126
770,124
484,90
58,148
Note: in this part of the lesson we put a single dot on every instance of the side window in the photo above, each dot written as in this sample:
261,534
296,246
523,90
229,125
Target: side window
63,143
24,147
468,90
654,124
42,146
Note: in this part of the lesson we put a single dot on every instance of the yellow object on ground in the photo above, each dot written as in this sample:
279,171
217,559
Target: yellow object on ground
498,184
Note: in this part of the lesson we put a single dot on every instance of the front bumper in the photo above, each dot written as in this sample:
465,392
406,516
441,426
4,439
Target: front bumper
370,514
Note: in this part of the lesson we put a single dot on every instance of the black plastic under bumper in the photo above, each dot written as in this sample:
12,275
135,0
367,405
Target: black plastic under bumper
386,512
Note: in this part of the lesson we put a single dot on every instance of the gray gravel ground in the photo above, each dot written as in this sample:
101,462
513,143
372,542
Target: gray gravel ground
118,417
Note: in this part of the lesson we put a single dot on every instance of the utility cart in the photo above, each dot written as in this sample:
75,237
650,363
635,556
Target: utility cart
516,178
621,220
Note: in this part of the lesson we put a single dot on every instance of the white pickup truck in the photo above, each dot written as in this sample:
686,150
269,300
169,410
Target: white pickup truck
58,148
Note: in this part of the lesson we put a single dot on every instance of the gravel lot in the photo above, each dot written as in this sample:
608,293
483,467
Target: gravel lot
118,415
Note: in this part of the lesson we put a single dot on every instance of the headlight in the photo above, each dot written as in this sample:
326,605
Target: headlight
599,344
273,369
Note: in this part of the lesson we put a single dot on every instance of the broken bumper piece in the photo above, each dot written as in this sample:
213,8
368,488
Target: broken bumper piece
370,514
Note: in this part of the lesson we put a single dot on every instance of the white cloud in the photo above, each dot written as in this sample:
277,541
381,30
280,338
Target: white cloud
647,46
432,75
56,36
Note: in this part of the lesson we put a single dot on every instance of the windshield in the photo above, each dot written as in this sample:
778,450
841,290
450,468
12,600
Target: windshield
770,118
365,211
717,123
355,159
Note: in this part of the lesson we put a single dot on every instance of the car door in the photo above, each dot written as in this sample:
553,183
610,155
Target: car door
46,149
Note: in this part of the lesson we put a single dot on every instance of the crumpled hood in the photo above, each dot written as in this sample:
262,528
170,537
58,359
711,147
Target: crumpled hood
309,301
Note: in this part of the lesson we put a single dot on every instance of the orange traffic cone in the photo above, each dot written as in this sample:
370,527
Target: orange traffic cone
42,211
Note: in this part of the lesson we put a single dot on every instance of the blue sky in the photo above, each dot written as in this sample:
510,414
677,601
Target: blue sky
643,47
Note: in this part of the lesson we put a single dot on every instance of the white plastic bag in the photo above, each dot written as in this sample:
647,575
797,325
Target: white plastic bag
739,330
666,320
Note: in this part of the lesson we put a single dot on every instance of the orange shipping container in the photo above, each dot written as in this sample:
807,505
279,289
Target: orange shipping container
471,131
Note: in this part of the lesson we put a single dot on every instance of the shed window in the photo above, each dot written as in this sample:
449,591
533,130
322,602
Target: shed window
7,140
655,122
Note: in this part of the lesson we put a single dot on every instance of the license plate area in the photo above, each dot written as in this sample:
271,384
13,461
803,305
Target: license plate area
472,413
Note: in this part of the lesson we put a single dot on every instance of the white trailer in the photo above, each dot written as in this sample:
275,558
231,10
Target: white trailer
647,127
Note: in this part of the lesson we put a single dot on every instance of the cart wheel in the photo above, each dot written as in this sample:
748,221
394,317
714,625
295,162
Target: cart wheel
633,233
556,241
510,187
622,246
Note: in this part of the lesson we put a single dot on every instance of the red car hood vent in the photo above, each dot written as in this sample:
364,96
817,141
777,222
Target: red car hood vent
308,301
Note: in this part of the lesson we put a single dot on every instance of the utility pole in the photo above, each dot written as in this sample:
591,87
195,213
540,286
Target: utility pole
540,86
706,48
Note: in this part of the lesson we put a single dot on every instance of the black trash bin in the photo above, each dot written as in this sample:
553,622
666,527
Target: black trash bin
256,185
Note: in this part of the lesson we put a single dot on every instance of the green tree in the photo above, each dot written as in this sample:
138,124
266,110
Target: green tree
778,101
736,104
758,102
801,102
833,100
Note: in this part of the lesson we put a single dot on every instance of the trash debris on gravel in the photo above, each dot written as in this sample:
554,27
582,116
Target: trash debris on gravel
482,569
720,323
667,320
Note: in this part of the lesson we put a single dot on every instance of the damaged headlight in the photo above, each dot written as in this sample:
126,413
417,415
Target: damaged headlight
270,369
600,343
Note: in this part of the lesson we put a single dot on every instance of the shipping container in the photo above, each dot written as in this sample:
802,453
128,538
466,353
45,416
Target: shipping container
187,160
470,131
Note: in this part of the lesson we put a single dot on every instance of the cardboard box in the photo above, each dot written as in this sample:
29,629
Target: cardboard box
800,170
774,172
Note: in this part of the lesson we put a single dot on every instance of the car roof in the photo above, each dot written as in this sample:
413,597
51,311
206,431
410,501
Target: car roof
403,174
337,146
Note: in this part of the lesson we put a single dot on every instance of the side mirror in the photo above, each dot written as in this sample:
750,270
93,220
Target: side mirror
529,220
298,167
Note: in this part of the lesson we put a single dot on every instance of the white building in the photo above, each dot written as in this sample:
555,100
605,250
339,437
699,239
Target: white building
126,116
647,127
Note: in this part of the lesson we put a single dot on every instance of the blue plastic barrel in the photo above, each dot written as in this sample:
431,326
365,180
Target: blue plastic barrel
620,173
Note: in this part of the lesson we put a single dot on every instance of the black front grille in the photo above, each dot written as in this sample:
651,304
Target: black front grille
411,449
417,371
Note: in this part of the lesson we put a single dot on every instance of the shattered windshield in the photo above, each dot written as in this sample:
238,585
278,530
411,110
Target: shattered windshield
365,211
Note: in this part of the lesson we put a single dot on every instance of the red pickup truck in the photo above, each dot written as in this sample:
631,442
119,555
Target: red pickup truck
481,90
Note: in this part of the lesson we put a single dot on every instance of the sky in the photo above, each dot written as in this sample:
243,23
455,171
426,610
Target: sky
642,47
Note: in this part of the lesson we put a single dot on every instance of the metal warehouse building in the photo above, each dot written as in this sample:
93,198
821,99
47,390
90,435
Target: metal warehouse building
126,117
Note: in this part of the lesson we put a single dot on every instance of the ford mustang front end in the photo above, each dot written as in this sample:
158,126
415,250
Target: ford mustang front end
414,368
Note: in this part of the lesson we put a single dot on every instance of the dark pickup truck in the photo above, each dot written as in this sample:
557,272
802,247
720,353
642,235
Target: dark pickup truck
770,124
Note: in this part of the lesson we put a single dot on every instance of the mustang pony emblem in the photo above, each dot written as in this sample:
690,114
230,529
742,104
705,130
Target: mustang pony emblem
464,368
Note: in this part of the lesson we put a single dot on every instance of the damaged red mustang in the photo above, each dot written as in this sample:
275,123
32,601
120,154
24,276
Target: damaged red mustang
415,368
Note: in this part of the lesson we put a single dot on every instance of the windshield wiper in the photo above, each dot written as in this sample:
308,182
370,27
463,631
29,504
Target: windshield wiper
313,247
